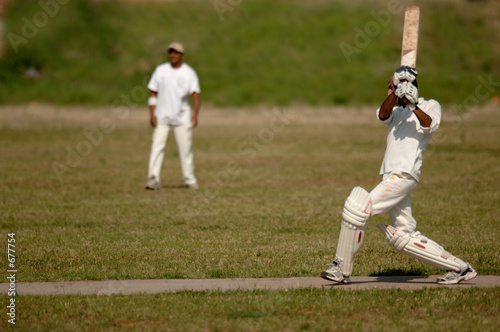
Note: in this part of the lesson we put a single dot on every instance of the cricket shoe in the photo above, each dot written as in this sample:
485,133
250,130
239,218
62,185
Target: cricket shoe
192,185
334,273
452,277
153,183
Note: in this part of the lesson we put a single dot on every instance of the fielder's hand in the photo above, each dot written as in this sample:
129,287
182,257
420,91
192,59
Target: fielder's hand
153,120
408,91
403,74
194,121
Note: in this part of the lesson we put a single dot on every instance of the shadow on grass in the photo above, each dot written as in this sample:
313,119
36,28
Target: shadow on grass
175,186
398,272
169,187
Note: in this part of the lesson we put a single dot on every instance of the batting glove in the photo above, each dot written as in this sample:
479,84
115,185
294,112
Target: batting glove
403,74
408,91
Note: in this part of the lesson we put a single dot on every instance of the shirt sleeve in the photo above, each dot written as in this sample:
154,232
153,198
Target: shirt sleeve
386,121
432,109
153,82
195,84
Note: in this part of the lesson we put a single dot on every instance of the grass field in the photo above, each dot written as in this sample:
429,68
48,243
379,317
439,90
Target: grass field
274,173
273,183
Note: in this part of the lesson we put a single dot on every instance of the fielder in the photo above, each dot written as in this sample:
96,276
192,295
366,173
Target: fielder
171,85
412,122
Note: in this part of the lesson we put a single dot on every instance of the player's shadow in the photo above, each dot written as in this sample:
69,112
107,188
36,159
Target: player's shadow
171,186
398,273
174,186
401,276
412,276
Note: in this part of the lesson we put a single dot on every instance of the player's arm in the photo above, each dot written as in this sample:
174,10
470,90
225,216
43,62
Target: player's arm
387,107
152,101
389,103
424,119
196,108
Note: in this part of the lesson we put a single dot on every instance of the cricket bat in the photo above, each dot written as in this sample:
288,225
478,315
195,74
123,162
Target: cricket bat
410,37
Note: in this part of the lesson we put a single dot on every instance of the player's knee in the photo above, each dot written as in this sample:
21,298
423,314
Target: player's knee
357,208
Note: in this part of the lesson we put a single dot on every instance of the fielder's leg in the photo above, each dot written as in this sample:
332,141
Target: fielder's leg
183,137
357,210
160,134
418,246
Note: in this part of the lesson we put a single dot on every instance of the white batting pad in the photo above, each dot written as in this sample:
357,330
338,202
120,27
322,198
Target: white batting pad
357,210
418,246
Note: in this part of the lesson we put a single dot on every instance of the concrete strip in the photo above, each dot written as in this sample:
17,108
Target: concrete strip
153,286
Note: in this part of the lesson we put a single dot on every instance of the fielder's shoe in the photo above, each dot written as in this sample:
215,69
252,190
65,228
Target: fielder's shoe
193,185
334,273
153,183
452,277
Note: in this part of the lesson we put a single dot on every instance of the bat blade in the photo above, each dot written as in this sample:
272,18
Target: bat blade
410,37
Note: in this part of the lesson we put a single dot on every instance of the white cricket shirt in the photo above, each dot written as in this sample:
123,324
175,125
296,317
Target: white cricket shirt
174,86
407,139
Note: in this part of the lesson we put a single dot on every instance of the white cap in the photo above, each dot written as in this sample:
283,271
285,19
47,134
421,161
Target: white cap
177,47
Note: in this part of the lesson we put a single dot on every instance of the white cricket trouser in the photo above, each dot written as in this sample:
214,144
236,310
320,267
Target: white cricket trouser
183,138
393,195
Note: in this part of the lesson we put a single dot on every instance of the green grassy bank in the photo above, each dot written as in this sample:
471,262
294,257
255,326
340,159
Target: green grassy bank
246,52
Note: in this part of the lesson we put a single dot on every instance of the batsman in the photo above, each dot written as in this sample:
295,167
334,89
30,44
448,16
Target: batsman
412,121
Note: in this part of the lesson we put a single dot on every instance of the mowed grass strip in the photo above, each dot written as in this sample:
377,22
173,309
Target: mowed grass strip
270,201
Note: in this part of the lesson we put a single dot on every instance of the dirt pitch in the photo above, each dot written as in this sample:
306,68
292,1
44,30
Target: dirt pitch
127,287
